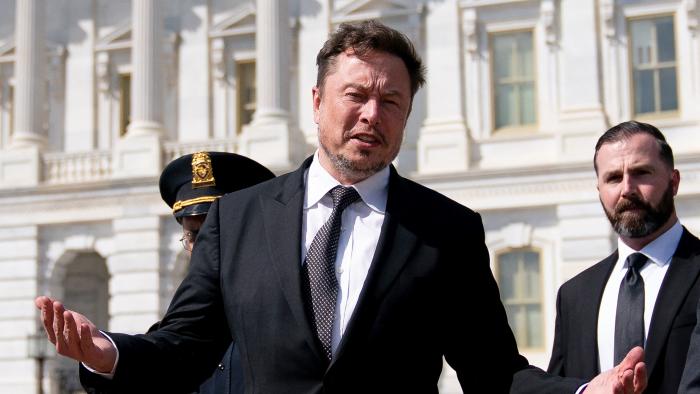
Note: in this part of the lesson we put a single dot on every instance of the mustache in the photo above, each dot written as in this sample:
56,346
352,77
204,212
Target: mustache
630,203
366,130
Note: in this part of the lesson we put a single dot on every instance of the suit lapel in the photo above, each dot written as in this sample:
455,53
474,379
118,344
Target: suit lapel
681,275
396,244
282,218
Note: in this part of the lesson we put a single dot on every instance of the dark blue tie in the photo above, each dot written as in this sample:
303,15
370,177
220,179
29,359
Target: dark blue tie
320,283
629,316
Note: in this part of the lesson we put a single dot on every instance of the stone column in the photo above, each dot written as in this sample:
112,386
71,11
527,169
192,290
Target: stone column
581,115
271,138
443,144
272,42
30,66
147,74
20,164
140,152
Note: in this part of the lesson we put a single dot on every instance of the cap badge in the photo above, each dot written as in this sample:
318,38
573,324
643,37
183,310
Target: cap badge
202,171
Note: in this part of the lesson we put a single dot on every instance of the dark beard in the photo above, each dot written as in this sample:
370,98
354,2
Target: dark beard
640,224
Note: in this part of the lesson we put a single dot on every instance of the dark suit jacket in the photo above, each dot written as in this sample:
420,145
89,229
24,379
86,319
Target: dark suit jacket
575,351
429,293
690,381
227,377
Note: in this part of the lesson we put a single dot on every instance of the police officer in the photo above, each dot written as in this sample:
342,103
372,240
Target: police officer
189,185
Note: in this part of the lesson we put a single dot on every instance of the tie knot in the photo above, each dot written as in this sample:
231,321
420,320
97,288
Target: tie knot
636,261
343,196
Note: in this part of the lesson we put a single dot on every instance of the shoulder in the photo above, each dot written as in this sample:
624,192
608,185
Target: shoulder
596,273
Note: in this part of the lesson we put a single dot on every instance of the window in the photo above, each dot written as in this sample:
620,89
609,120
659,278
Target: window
245,72
513,79
520,285
124,103
653,56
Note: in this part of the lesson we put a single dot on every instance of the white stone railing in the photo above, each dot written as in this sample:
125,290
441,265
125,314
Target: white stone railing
173,150
63,168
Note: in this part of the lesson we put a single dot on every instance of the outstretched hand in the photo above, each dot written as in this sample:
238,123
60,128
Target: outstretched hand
75,336
628,377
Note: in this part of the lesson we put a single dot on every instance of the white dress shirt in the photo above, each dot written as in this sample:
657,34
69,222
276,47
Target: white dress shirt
361,224
659,251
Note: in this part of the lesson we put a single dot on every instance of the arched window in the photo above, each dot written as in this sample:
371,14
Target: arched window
85,289
519,276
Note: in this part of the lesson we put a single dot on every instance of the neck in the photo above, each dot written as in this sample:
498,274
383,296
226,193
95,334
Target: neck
639,243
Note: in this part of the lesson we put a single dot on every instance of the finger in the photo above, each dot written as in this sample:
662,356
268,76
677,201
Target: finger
640,377
87,346
633,357
46,305
58,325
628,382
71,335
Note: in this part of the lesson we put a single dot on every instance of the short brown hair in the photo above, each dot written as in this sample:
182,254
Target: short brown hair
363,38
627,129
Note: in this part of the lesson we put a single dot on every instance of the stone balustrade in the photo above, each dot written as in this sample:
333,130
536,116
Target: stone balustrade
76,167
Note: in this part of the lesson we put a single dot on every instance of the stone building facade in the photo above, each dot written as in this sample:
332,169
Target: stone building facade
96,96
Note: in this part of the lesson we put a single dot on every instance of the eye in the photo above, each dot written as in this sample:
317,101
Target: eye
354,95
391,102
614,178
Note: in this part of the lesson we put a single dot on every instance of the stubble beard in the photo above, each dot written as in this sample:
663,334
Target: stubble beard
355,170
645,222
352,170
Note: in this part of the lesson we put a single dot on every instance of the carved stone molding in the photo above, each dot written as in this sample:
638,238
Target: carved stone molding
548,13
607,16
691,8
470,30
218,58
57,62
102,69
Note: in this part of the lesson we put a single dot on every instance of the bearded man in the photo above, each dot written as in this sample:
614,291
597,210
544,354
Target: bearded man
646,292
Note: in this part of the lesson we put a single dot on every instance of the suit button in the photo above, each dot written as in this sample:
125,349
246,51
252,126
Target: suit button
221,366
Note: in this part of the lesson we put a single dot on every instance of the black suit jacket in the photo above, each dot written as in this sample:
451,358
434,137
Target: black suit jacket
690,381
429,293
575,350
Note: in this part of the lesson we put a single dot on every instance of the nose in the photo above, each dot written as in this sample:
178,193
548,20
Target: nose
370,112
628,186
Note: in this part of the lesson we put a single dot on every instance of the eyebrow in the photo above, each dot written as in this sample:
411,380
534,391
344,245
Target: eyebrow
388,92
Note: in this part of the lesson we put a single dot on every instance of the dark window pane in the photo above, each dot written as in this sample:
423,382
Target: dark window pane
503,46
644,91
505,106
534,326
641,32
669,94
527,103
525,61
506,275
665,40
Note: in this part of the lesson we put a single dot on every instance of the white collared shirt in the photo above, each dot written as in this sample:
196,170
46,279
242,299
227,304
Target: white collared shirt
361,225
659,251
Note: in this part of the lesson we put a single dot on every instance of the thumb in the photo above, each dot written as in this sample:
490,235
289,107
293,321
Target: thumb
634,356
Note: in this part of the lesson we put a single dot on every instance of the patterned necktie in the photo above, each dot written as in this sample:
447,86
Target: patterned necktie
629,317
320,283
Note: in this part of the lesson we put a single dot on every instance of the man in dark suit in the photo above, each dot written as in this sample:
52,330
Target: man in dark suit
341,277
595,313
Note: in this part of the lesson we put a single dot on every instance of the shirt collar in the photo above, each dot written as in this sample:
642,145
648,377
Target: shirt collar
660,251
319,182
